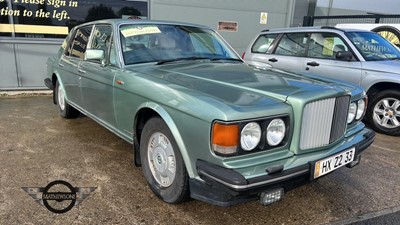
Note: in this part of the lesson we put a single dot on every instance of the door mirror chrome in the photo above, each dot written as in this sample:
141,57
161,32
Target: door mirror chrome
344,55
94,54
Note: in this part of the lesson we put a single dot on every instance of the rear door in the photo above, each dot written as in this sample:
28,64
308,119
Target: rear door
286,53
321,58
68,64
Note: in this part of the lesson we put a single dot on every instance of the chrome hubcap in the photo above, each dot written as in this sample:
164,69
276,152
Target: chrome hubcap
60,97
387,113
161,158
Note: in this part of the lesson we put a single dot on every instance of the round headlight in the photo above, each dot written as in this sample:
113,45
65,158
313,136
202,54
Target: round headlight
360,109
250,136
276,132
352,112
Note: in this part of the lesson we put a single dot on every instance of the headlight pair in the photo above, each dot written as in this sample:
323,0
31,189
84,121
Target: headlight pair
226,137
357,110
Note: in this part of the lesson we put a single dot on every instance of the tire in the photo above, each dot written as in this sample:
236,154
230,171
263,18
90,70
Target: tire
383,113
392,34
66,110
162,162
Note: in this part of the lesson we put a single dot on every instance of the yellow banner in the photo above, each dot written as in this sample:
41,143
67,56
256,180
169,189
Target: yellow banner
33,29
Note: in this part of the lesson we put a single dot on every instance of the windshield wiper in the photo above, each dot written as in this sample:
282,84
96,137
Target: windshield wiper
180,59
227,59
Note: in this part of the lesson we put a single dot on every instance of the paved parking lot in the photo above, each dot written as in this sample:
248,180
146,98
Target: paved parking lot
37,146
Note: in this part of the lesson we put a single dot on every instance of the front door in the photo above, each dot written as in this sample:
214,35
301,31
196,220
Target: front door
97,78
321,59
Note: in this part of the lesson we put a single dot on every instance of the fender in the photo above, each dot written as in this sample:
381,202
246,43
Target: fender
174,130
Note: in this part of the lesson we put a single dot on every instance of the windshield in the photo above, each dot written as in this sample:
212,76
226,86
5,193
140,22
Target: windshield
373,47
167,43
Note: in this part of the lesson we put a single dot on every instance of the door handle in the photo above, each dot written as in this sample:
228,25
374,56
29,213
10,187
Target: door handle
313,63
81,71
273,60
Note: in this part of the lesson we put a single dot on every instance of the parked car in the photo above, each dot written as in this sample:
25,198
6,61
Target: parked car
357,56
204,124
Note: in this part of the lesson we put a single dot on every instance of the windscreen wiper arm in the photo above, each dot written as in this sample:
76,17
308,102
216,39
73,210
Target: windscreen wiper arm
228,59
180,59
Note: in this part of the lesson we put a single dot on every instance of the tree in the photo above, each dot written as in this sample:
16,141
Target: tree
100,12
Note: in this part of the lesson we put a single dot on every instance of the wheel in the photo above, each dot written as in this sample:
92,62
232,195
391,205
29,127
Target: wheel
162,162
390,33
66,110
384,112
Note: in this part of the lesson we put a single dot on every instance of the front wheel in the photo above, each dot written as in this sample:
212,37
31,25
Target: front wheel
384,112
66,110
162,162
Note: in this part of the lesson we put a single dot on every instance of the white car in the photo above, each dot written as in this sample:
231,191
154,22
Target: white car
358,56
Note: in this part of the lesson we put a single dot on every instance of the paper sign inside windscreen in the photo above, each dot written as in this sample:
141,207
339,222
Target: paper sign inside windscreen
134,31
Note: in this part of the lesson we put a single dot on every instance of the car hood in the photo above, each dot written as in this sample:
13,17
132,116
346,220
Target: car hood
241,85
389,66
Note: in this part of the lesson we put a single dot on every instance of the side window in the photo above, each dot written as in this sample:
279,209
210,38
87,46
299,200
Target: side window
79,42
102,39
292,44
325,45
263,43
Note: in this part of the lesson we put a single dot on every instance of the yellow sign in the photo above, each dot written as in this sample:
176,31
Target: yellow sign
133,31
33,29
263,18
328,46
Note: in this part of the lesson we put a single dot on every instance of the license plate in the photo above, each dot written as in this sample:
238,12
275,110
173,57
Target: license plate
332,163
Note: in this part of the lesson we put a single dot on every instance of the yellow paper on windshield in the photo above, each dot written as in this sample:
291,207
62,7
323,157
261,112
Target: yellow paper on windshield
134,31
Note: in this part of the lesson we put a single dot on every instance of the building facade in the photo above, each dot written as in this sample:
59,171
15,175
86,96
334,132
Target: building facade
32,30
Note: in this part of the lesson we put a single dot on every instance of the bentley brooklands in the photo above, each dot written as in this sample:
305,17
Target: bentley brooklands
201,122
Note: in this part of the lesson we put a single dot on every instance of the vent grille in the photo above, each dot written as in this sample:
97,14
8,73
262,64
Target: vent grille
324,122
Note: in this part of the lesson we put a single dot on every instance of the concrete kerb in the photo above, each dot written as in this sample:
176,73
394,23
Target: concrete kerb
25,93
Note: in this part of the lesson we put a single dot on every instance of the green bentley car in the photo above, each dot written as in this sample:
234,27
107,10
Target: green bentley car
202,123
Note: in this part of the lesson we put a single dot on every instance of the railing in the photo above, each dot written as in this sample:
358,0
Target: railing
333,20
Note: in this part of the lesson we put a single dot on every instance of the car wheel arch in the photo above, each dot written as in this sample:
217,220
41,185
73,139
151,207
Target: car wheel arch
144,113
382,86
54,78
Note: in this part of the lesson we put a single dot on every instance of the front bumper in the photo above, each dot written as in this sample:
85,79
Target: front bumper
224,187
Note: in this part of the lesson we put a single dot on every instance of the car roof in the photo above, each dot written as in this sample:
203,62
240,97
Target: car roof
140,21
311,29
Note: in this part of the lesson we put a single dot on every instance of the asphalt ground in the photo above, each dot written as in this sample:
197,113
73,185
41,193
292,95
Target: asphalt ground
37,147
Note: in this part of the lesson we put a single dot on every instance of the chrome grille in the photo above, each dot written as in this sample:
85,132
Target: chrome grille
324,121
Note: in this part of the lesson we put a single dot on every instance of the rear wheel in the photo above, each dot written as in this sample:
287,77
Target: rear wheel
162,162
66,110
384,112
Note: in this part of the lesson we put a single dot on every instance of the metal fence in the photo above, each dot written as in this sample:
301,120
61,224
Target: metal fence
333,20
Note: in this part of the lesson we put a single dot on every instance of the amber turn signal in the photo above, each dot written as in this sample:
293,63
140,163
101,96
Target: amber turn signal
225,138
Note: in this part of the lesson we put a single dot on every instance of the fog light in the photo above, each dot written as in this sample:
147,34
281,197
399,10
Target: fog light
270,197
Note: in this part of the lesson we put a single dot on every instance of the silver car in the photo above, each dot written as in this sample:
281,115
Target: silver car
357,56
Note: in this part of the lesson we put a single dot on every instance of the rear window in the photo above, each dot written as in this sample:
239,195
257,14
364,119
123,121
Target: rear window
263,43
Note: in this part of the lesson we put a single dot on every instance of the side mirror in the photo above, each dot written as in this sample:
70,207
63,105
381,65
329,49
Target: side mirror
344,55
94,54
